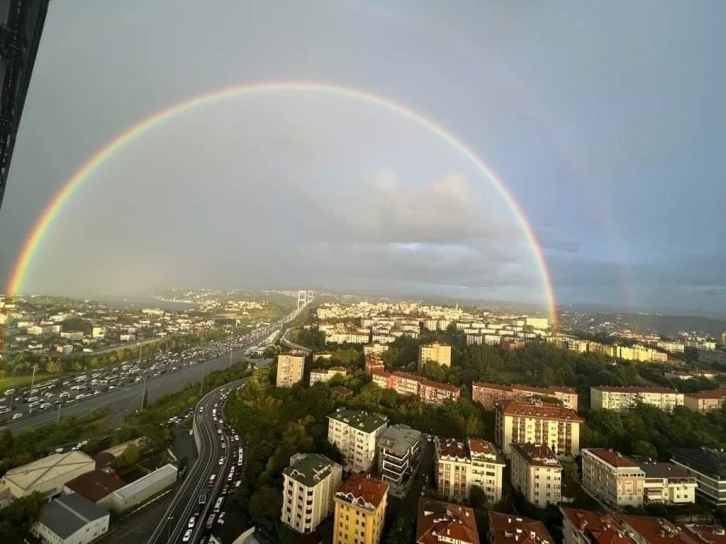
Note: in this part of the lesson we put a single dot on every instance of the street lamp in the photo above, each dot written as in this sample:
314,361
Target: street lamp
168,528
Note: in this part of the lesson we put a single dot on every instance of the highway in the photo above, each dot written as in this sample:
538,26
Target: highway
125,400
212,445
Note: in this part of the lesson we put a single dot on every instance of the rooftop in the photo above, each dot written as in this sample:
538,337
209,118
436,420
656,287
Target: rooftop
360,420
635,389
452,448
131,489
451,521
514,408
706,461
537,455
309,469
529,388
399,438
439,385
657,530
69,513
95,485
506,529
598,527
715,394
362,492
662,470
341,390
48,468
611,457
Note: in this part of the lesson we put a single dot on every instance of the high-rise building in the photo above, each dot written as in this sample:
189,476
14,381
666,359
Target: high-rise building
399,449
360,509
356,433
461,465
290,367
311,481
537,474
434,353
21,26
612,478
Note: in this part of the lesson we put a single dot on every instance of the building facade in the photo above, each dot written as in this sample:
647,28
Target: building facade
399,451
704,402
71,519
537,474
554,426
360,509
488,394
434,353
667,483
310,484
612,478
356,434
708,466
290,368
624,398
324,375
461,465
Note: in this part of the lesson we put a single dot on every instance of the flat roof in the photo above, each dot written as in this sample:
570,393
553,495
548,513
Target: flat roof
359,419
399,438
309,469
95,485
48,468
134,487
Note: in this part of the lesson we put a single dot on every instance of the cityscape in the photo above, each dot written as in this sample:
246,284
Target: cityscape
362,272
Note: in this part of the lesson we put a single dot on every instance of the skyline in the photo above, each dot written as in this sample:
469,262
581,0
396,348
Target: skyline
372,185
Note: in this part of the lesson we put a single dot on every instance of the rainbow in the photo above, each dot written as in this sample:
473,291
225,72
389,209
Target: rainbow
34,240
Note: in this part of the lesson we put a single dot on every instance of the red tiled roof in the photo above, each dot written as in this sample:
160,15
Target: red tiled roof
359,487
600,528
477,445
537,455
716,394
450,521
657,530
381,373
514,408
450,447
95,485
507,529
612,457
634,389
439,385
407,376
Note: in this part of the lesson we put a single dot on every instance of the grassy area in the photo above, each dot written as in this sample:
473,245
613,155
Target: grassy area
14,382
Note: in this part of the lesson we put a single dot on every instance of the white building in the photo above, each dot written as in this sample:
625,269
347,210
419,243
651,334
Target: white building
668,483
356,433
47,475
626,397
311,481
461,465
71,519
537,474
144,488
399,449
324,375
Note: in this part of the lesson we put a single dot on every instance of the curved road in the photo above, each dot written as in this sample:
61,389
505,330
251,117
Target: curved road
174,523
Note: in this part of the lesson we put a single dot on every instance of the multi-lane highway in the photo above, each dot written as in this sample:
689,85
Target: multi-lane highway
199,503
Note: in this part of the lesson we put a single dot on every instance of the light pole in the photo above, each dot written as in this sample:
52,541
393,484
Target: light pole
32,380
57,419
168,528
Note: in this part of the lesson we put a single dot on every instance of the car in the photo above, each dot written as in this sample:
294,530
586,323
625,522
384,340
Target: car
18,415
192,521
187,536
221,460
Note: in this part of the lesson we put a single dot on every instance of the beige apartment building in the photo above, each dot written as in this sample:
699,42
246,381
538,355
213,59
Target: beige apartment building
626,397
360,509
324,375
461,465
434,353
356,434
612,478
290,368
311,481
667,483
704,402
537,423
488,394
537,474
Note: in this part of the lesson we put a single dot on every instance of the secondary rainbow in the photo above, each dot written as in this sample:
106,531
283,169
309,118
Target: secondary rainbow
34,240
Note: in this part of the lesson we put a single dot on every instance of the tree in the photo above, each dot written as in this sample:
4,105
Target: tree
478,498
265,505
645,449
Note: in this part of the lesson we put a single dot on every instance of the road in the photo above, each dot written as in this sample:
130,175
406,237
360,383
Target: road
292,345
125,400
186,502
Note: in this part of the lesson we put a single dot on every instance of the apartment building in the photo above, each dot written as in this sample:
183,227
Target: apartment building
382,379
538,423
667,483
537,474
373,362
508,529
588,527
623,398
704,402
612,478
405,383
375,349
356,433
488,394
290,367
311,481
657,530
461,465
360,508
443,522
324,375
708,466
434,353
437,393
399,451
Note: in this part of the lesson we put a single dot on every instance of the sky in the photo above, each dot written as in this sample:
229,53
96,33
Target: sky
604,121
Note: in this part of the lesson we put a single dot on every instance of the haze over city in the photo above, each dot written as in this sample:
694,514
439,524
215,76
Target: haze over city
613,149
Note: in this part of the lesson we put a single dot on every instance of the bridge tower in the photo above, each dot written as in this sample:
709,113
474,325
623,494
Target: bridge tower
309,297
301,299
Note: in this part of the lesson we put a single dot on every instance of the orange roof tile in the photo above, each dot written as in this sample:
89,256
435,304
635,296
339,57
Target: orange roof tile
508,529
612,457
600,528
450,521
362,491
657,530
545,411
